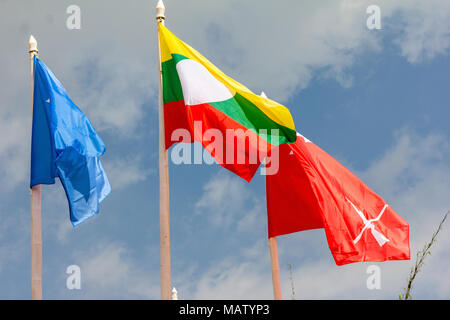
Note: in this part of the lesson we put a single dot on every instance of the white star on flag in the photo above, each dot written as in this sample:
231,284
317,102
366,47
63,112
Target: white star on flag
304,138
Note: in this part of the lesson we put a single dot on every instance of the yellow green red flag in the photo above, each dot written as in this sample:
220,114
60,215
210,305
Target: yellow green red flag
194,90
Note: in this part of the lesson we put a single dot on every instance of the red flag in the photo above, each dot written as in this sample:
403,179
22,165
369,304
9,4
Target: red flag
312,190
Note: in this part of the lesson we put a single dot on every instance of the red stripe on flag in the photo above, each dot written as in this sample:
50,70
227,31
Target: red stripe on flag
179,116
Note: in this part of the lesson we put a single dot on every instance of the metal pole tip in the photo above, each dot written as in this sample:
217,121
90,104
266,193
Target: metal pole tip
32,44
174,294
160,10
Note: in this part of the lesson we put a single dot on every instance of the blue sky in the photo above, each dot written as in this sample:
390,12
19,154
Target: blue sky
377,100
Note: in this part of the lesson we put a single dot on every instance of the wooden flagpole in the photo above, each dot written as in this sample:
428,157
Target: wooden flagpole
275,268
164,221
274,258
36,192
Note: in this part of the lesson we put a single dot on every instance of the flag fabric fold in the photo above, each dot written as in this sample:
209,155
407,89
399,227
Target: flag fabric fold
194,90
312,190
65,145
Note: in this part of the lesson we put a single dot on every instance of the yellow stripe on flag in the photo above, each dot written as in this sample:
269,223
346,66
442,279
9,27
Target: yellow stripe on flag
170,44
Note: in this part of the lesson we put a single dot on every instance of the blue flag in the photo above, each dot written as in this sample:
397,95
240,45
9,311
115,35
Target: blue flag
65,145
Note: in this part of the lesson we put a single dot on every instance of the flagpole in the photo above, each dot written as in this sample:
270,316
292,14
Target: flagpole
275,268
164,221
36,196
273,248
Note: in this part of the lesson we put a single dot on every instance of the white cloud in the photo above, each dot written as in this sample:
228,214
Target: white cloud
14,153
125,171
226,200
109,69
245,275
108,270
408,159
425,29
14,239
312,39
109,66
278,56
110,80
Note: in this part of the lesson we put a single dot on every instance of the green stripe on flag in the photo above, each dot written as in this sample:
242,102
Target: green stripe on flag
172,90
249,115
238,108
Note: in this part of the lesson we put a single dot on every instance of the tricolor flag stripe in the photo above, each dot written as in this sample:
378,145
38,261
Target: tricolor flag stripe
212,118
190,77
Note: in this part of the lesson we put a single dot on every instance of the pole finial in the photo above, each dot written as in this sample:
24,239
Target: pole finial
32,44
174,294
263,94
160,11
